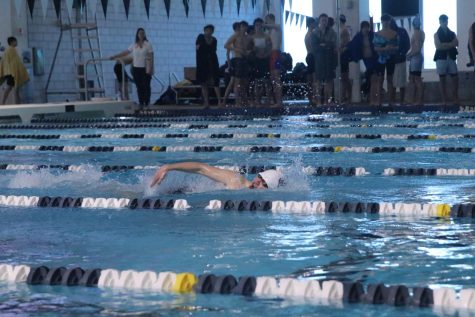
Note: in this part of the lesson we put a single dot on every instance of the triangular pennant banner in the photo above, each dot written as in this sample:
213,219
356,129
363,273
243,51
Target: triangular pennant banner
147,7
203,7
246,6
238,5
57,7
104,7
286,16
221,6
303,18
290,4
186,4
44,7
409,23
31,6
253,3
167,7
402,23
126,7
267,5
297,19
292,15
282,3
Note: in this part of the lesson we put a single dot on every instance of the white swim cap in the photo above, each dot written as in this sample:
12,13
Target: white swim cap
272,178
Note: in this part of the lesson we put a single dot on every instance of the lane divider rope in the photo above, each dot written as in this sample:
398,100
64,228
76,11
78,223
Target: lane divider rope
141,125
293,207
322,292
224,126
240,148
309,170
240,136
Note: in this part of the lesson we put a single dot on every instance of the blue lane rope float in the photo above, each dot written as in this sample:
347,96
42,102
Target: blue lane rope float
309,170
221,126
321,292
238,136
137,119
276,207
240,148
140,125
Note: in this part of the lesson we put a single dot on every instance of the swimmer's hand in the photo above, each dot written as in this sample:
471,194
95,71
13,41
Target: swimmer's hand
159,175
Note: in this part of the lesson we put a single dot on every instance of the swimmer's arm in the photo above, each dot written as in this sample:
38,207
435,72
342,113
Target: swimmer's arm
222,176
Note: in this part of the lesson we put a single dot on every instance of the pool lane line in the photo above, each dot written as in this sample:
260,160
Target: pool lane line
223,126
318,118
276,207
308,170
254,169
237,149
307,291
293,136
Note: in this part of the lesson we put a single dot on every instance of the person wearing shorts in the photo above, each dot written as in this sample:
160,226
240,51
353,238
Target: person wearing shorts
310,60
446,43
325,53
275,34
386,46
416,62
400,69
240,43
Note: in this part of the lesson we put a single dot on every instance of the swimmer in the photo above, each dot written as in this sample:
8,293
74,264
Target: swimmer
269,179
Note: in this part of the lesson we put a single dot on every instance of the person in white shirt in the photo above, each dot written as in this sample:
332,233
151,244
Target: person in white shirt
142,65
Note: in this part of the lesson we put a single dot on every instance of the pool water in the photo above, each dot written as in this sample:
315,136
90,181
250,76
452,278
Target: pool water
425,251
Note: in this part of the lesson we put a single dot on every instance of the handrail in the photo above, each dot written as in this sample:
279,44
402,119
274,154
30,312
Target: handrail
93,60
160,82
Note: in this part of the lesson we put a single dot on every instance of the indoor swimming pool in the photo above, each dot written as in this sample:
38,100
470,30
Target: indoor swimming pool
375,216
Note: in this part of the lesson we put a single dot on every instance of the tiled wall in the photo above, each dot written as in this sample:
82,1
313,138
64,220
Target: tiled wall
173,38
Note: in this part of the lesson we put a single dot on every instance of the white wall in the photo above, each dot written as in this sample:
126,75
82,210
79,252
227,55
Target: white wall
173,39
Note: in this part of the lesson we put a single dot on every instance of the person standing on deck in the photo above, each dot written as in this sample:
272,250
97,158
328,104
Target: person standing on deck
275,33
12,71
446,43
310,60
416,61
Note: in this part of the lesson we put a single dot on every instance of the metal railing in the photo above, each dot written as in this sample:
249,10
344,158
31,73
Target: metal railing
97,61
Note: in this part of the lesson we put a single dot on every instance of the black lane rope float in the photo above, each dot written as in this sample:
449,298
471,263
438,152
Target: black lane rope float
321,292
242,148
412,137
414,210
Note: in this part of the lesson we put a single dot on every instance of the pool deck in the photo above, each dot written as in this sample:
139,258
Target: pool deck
27,111
292,108
112,108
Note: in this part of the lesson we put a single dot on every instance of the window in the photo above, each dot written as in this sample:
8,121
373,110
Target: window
375,10
432,9
294,31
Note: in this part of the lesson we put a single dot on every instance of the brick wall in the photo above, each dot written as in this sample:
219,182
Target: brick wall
173,38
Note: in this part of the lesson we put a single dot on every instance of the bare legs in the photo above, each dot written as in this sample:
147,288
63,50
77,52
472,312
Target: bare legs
345,87
443,88
7,92
204,91
416,90
229,89
276,86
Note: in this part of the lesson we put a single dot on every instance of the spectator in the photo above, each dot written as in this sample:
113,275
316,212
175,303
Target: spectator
207,66
324,50
416,61
344,60
142,65
400,69
310,60
361,47
386,46
446,43
12,71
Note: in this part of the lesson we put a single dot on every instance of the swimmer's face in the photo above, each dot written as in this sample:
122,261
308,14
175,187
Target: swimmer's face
258,183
